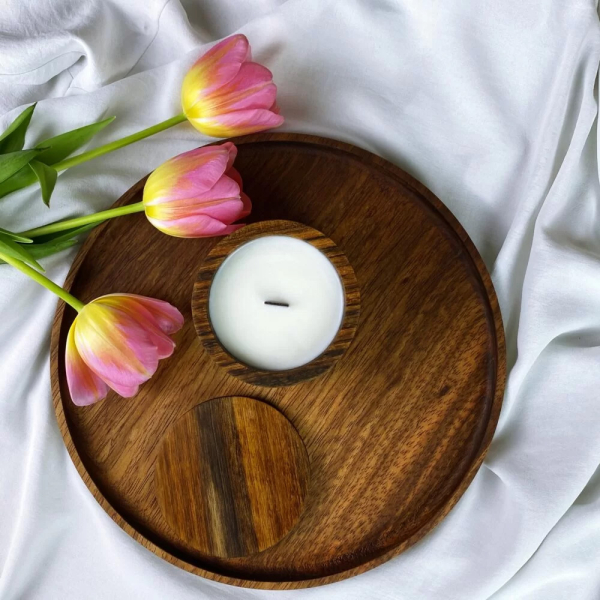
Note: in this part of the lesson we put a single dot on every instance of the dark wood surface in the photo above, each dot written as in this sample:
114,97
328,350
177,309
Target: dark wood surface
395,431
231,476
315,367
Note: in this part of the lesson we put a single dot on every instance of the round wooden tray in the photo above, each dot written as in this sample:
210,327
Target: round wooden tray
394,431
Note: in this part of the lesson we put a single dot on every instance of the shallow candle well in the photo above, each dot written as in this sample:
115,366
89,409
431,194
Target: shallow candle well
276,303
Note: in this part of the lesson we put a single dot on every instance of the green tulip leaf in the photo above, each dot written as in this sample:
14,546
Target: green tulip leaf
49,248
10,247
13,137
16,236
46,176
51,151
19,180
13,161
61,146
57,242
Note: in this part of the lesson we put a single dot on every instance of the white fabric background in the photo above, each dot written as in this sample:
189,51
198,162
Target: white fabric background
492,105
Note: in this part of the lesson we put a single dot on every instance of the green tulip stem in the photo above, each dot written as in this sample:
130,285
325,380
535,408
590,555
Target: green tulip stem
86,220
43,280
130,139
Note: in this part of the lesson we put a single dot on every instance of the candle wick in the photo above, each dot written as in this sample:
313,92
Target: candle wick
273,303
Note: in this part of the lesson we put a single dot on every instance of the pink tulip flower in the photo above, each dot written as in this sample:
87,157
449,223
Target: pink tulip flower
116,342
224,94
197,194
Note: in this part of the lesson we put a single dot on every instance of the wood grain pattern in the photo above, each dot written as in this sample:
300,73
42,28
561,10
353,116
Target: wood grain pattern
305,372
231,476
395,430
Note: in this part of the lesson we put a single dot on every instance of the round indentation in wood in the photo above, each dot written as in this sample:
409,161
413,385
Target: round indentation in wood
315,367
231,476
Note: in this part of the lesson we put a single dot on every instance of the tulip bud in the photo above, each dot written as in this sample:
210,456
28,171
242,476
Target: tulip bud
197,194
225,95
116,342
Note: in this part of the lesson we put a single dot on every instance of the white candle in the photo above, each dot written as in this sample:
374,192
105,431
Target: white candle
276,303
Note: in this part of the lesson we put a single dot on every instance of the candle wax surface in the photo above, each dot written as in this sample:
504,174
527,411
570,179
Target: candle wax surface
247,294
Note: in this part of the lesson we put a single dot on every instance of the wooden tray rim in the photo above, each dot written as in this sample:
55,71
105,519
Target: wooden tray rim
500,359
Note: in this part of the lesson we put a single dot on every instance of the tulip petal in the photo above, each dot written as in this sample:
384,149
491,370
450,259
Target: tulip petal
201,168
246,205
214,69
232,156
85,387
167,317
138,312
234,174
187,174
194,227
252,87
226,188
125,390
226,210
239,122
187,217
246,202
115,347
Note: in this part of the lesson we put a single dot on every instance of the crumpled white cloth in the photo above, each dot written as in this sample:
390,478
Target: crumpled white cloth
492,105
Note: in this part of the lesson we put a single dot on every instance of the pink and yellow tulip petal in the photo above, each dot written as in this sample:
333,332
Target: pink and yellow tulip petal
85,386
